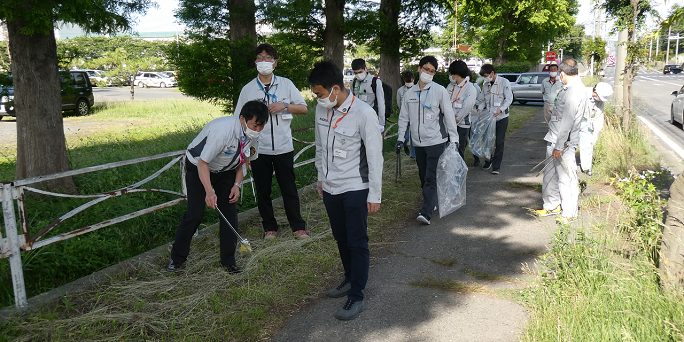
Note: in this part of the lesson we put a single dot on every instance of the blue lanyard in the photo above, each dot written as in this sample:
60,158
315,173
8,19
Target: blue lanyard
426,97
275,98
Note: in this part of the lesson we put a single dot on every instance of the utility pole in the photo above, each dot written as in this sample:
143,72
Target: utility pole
455,24
677,50
657,46
618,95
667,55
650,50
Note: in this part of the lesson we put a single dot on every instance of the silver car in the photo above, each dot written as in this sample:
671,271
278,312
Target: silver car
154,79
528,87
677,107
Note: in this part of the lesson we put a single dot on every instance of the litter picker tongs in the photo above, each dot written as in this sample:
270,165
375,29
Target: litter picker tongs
244,243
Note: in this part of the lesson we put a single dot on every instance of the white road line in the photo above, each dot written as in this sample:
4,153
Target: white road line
652,79
662,136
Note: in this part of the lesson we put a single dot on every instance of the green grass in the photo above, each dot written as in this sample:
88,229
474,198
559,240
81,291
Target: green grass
518,185
590,293
484,276
446,284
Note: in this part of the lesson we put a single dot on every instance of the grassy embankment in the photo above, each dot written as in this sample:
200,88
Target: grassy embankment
203,303
600,282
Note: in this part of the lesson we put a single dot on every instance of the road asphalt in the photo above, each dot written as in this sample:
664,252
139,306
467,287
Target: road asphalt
493,233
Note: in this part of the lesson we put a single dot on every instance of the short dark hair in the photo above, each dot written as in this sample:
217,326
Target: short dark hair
358,63
428,59
408,76
487,69
255,108
553,65
327,75
459,68
269,50
569,67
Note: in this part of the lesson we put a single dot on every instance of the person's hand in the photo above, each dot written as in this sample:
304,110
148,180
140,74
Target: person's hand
372,207
557,154
399,146
320,189
210,199
479,111
234,194
498,111
382,128
276,107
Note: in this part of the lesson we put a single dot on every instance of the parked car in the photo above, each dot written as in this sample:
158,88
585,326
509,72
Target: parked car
77,94
170,74
511,77
348,77
96,77
677,107
672,69
6,96
154,79
528,87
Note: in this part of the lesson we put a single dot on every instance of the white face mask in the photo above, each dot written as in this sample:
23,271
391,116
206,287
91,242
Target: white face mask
452,79
553,73
409,85
264,68
487,79
425,77
361,76
252,134
326,102
562,78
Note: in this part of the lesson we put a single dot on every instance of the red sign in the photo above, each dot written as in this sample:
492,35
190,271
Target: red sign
550,56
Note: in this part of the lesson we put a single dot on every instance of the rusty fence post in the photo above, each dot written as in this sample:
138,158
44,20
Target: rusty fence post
13,245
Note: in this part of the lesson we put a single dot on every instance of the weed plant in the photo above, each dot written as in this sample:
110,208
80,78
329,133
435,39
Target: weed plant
589,292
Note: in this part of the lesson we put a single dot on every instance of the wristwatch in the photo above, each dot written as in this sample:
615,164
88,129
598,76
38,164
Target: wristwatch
287,105
238,184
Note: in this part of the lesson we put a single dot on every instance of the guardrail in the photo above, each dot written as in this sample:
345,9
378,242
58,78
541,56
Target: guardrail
14,243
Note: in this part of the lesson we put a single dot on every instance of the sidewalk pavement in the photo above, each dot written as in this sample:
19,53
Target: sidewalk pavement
493,233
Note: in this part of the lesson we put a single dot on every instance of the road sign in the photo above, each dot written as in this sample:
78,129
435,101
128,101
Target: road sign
550,56
611,60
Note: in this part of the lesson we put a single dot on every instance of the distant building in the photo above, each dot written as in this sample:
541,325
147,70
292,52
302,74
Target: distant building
66,31
4,36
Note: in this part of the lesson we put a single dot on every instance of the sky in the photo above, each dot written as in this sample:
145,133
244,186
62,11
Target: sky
162,19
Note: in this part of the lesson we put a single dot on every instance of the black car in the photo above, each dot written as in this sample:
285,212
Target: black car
672,68
77,93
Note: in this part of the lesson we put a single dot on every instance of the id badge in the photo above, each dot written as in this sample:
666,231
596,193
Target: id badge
430,116
340,153
555,118
287,116
458,105
497,104
363,97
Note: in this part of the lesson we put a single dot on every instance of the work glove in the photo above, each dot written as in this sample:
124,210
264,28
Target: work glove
399,145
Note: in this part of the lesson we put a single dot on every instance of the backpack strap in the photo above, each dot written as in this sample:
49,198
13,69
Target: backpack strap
374,85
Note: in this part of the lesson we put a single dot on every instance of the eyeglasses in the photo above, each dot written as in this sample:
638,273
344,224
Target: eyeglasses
261,58
429,71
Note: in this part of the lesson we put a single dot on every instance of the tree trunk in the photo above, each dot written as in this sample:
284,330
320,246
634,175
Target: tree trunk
243,38
389,44
333,37
629,68
41,145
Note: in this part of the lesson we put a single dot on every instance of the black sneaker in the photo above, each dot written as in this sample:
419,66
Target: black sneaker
341,290
175,267
495,171
232,269
350,310
487,165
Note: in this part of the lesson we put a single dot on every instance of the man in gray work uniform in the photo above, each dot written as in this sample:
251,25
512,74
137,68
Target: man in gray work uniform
560,190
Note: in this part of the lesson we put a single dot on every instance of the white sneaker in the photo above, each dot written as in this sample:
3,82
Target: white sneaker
422,219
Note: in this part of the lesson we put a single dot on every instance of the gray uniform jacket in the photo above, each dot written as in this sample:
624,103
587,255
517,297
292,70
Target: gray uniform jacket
349,149
497,95
276,137
550,90
463,97
430,115
364,91
567,115
220,143
594,108
401,92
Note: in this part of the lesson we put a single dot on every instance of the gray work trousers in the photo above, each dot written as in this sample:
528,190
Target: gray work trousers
560,185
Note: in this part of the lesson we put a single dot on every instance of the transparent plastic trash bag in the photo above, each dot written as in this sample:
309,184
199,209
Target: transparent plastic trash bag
482,135
451,181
